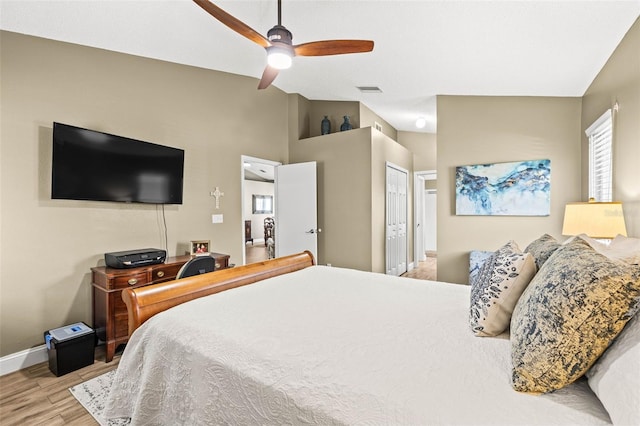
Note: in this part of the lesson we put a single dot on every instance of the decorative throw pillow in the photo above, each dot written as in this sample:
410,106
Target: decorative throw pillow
572,310
497,288
476,260
615,378
542,248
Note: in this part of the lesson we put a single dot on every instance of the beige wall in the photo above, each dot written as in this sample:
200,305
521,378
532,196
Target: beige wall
360,116
335,111
298,112
344,195
368,118
351,194
480,130
619,80
424,148
47,246
384,150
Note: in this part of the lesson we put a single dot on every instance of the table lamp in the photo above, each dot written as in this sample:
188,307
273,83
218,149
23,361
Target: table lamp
597,220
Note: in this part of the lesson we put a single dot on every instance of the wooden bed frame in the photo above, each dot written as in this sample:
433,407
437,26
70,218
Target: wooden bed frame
144,302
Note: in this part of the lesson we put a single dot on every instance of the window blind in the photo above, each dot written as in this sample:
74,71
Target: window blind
600,135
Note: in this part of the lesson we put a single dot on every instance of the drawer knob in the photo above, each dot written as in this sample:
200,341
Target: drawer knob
217,265
133,281
160,274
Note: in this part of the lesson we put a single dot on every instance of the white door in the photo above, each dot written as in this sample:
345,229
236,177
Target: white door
296,209
396,220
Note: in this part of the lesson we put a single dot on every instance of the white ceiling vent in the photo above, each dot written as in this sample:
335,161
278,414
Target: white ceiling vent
369,89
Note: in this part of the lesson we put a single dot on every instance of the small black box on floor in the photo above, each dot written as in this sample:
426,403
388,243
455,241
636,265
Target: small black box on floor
70,347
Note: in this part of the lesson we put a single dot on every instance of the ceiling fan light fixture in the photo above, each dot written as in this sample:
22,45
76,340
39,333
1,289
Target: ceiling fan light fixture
279,58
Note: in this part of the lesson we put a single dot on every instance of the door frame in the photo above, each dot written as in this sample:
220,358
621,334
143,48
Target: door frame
243,159
419,177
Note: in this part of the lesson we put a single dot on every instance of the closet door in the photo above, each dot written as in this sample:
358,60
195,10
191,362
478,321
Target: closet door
396,220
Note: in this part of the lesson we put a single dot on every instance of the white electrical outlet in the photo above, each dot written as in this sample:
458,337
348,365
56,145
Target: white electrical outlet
216,218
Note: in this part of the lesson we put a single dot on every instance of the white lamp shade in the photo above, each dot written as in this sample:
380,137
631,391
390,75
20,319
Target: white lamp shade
597,220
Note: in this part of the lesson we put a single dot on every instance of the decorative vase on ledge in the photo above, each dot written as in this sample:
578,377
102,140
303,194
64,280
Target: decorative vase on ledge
325,126
346,125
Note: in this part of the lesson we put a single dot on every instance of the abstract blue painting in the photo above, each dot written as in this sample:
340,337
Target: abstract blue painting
519,188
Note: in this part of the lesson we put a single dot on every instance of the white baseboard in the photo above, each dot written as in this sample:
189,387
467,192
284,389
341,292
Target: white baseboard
23,359
411,266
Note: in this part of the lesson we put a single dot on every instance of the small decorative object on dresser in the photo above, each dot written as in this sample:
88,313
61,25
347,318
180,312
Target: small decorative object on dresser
199,246
325,126
346,125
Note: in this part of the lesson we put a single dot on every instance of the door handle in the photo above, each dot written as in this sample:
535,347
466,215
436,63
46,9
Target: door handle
313,231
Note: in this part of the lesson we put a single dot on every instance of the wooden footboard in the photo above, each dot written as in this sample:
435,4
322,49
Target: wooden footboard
144,302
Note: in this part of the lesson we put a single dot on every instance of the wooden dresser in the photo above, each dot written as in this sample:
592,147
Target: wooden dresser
109,311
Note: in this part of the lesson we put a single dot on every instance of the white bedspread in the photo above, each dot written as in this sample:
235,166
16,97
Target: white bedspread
330,346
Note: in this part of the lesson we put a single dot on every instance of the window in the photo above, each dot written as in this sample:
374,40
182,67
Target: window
600,158
262,204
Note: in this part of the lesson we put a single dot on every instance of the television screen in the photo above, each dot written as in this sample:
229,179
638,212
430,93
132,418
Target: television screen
91,165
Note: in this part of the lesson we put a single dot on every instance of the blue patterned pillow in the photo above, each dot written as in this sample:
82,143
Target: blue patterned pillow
573,309
476,260
497,288
542,248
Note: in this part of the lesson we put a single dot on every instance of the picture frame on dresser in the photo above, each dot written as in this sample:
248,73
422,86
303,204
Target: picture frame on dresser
199,246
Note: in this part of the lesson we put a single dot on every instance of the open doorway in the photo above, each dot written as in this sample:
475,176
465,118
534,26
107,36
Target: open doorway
258,201
425,223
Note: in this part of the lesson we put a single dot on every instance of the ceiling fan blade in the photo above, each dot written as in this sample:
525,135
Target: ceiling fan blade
268,76
333,47
233,23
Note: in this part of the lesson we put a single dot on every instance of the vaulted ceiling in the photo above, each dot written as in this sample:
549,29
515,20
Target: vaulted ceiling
422,48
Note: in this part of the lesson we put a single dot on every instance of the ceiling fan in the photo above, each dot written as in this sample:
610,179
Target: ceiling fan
278,43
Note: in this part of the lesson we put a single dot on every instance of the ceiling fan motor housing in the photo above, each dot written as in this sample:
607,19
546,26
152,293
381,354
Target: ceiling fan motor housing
280,34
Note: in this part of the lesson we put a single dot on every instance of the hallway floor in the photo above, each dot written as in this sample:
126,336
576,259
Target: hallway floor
426,270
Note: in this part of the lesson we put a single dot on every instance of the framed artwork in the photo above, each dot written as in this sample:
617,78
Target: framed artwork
262,204
519,188
200,246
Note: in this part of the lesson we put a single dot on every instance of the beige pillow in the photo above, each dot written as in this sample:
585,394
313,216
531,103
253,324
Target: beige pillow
574,307
496,288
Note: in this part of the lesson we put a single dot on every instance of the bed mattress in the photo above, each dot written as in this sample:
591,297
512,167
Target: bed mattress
330,346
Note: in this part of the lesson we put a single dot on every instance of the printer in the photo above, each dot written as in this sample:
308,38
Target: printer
135,258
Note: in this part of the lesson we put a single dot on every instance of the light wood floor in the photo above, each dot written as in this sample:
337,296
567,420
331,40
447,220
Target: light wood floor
255,252
35,396
426,270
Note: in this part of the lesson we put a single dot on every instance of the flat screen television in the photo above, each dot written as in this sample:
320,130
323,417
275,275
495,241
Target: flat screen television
96,166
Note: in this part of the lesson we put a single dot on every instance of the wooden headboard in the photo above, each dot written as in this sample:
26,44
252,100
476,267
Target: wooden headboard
144,302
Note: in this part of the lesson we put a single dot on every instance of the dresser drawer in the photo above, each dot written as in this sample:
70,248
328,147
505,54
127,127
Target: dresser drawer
165,273
125,281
